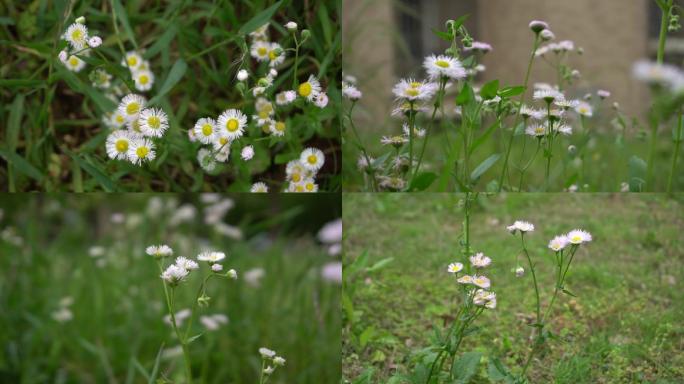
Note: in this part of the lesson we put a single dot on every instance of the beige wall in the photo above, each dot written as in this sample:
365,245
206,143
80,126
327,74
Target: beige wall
613,34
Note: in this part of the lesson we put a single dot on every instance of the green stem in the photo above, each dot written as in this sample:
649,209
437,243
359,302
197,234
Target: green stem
261,376
172,311
374,182
296,65
549,146
534,276
412,123
524,169
438,103
678,142
664,21
517,116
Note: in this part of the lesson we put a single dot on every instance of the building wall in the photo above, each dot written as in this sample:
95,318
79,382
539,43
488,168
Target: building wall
613,33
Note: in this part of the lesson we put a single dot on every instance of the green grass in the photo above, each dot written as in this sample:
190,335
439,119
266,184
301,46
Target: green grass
117,329
623,327
53,137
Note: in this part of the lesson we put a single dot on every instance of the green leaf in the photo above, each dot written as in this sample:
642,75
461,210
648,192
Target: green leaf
569,293
120,13
103,103
484,166
174,76
489,90
458,22
14,122
155,369
106,183
193,338
22,165
422,181
511,91
17,83
366,336
497,371
257,21
466,95
466,367
162,42
380,264
488,132
443,35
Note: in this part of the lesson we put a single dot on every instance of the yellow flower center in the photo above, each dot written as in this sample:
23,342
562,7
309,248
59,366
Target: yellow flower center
309,186
280,126
272,55
142,152
576,239
119,119
232,125
296,177
312,159
136,125
261,51
412,92
77,35
132,61
223,140
263,114
304,89
207,130
121,145
299,188
442,64
416,84
144,79
154,122
132,108
73,61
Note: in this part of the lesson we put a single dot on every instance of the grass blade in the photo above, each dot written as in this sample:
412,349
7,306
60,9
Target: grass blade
155,369
21,165
120,13
260,19
176,73
104,181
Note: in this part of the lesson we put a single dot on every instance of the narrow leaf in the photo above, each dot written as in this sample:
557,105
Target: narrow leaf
22,165
484,166
176,73
120,13
257,21
422,181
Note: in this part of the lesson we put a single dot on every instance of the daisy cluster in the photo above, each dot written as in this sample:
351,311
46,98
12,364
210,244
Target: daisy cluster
270,361
178,272
79,43
666,76
480,284
220,135
140,71
135,130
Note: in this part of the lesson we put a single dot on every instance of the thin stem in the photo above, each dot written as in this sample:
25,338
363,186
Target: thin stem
678,142
438,103
261,376
549,146
374,182
524,169
534,276
412,123
186,353
517,115
664,21
296,64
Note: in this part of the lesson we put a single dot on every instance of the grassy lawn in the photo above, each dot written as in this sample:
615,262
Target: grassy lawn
624,326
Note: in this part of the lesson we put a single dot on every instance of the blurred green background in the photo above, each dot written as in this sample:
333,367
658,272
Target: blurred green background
91,248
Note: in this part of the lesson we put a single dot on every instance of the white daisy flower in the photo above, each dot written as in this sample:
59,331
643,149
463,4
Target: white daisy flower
74,64
206,159
393,183
548,95
584,109
531,113
417,132
217,267
536,130
482,297
395,141
162,250
131,105
519,271
266,353
479,260
153,122
118,143
205,130
247,153
558,243
133,61
276,55
321,101
260,50
242,75
351,92
134,126
564,129
222,148
603,94
101,79
465,279
455,267
143,80
478,46
294,171
566,104
260,33
279,361
309,185
77,36
579,236
285,98
211,257
174,274
231,124
312,159
277,128
411,90
310,88
537,26
94,42
259,187
481,281
186,263
140,150
522,226
439,66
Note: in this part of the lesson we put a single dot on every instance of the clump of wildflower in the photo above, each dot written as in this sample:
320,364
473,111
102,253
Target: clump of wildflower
522,226
270,361
159,251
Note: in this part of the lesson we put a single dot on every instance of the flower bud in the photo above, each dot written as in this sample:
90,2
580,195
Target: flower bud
537,26
572,149
242,75
63,56
519,271
305,34
547,35
232,274
291,26
80,20
203,301
94,41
